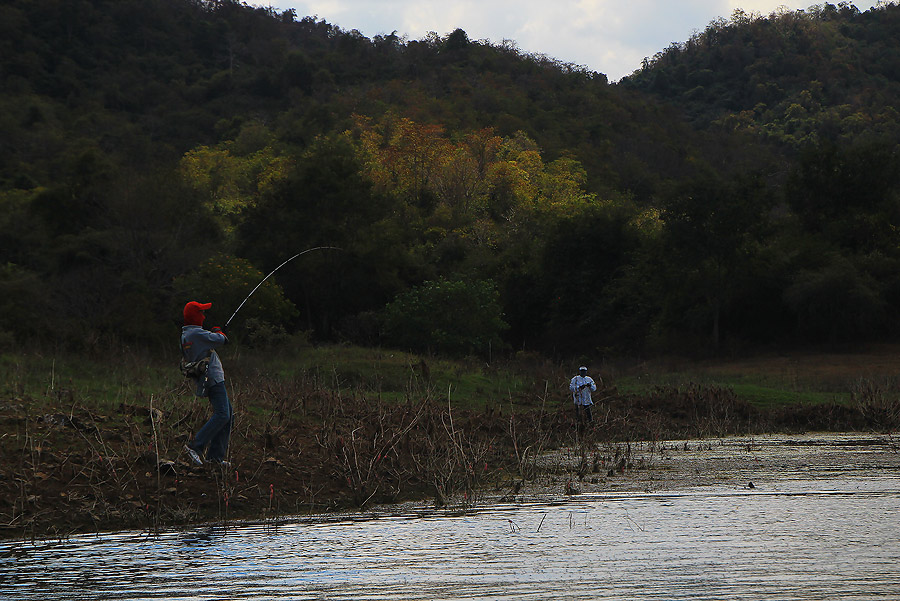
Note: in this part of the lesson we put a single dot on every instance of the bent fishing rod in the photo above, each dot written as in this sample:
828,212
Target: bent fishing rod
308,250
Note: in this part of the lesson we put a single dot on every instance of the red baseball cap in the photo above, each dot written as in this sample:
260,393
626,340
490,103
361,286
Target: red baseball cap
193,313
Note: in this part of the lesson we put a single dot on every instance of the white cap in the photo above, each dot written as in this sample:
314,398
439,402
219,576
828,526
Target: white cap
582,368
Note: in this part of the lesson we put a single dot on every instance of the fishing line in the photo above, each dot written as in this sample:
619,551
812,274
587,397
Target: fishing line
308,250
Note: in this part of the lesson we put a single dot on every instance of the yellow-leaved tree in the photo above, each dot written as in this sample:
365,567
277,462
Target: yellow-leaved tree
233,174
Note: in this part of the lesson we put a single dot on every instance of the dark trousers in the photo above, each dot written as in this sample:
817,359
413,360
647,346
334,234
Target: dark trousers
583,414
216,432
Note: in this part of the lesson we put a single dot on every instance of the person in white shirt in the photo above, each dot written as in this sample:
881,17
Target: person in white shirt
581,386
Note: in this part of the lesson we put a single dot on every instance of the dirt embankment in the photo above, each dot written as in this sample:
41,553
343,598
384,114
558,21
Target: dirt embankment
76,470
72,469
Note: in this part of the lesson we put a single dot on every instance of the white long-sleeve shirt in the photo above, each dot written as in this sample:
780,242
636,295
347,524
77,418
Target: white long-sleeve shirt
582,396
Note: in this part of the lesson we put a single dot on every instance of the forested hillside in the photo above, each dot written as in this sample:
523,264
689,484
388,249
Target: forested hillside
740,189
798,77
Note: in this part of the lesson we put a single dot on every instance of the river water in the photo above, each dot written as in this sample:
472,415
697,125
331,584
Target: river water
806,530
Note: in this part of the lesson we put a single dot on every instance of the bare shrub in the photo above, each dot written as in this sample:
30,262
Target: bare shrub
878,402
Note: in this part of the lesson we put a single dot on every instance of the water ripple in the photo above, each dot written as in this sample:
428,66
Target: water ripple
791,539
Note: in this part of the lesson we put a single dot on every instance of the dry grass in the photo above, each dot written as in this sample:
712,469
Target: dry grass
88,449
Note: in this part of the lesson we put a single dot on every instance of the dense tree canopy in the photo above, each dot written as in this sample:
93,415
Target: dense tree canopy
739,189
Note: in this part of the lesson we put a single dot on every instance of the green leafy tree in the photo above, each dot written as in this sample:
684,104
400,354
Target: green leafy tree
232,176
584,252
23,297
226,281
851,195
324,200
836,302
109,270
712,229
449,316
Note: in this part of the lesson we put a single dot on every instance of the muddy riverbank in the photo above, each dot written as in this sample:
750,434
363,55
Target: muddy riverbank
759,462
71,469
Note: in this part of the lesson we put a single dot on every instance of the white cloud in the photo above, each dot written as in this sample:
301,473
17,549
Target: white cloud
610,36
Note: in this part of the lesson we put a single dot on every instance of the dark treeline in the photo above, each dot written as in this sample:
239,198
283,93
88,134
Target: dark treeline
739,190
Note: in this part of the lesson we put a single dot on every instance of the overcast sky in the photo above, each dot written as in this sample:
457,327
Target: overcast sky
608,36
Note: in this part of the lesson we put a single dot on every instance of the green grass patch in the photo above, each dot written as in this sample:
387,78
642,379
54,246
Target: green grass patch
105,382
761,391
387,375
766,397
395,376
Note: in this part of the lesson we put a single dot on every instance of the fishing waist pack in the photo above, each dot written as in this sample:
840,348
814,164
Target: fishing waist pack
195,369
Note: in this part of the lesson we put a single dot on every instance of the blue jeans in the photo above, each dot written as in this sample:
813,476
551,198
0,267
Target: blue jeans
216,432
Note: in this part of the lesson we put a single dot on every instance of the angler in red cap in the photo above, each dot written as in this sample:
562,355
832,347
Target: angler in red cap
198,344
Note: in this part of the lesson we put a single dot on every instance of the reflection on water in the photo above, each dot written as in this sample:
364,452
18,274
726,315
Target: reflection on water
803,539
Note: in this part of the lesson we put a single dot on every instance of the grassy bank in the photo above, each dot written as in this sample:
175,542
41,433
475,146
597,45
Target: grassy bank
96,444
